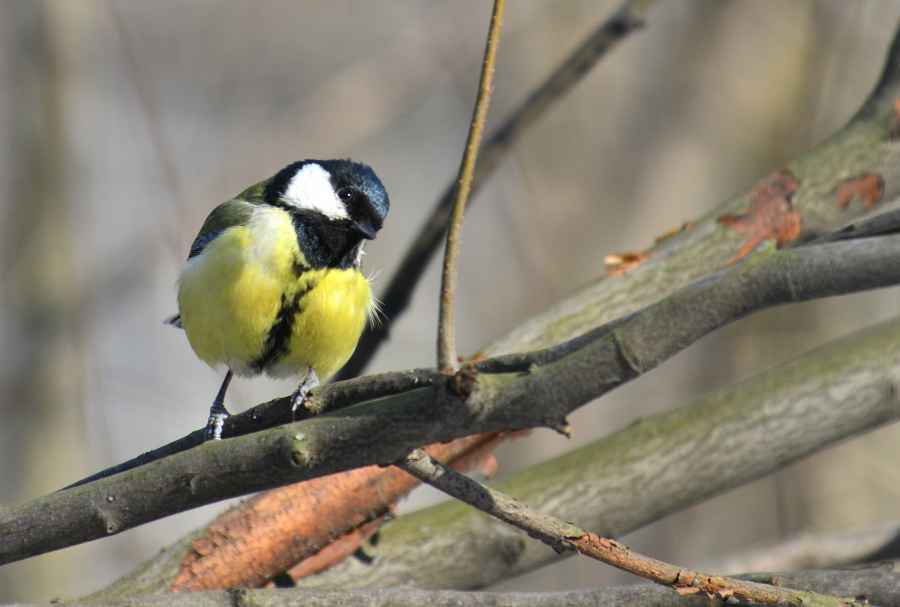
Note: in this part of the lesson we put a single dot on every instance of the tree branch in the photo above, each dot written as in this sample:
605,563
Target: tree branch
446,343
467,403
329,397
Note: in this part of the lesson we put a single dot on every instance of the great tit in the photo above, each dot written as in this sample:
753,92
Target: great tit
273,281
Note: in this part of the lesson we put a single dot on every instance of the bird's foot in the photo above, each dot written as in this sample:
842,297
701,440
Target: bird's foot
217,416
299,396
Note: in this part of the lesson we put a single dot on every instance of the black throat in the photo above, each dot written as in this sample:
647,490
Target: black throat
326,243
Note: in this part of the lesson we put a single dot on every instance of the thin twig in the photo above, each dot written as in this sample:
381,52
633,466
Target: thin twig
446,344
396,298
562,536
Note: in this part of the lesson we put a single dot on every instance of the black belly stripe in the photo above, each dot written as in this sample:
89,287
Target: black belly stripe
299,268
276,343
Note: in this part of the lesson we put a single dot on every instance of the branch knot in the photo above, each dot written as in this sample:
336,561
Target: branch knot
464,382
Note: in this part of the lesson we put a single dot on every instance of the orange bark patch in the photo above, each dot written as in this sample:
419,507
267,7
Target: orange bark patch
272,531
687,590
618,264
334,552
770,215
869,187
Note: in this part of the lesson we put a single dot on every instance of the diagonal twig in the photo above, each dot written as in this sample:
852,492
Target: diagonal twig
563,536
446,343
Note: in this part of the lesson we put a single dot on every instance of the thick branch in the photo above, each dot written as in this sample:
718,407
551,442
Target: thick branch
467,403
330,397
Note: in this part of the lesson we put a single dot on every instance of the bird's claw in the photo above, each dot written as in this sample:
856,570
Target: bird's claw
217,416
311,381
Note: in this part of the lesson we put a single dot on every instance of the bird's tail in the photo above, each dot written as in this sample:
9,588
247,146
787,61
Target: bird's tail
174,320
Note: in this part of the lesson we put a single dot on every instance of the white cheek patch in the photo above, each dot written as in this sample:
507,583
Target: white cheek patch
311,189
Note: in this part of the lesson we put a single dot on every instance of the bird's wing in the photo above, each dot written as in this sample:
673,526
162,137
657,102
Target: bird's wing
229,214
235,212
201,241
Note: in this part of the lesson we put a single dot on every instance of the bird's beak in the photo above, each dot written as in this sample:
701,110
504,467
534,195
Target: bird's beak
363,229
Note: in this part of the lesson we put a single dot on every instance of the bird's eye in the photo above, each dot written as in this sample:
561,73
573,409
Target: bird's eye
345,194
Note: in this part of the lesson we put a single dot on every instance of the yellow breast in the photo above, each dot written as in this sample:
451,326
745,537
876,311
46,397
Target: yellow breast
244,304
327,326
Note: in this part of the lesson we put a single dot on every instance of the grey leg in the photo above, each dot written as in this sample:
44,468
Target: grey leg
217,413
311,381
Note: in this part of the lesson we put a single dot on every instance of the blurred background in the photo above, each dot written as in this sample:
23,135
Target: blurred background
123,123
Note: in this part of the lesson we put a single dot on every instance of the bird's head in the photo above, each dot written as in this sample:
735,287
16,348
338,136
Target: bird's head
340,192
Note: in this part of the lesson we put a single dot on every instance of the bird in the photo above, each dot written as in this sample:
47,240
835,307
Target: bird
273,283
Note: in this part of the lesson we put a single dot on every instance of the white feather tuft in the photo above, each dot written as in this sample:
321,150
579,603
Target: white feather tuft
310,188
